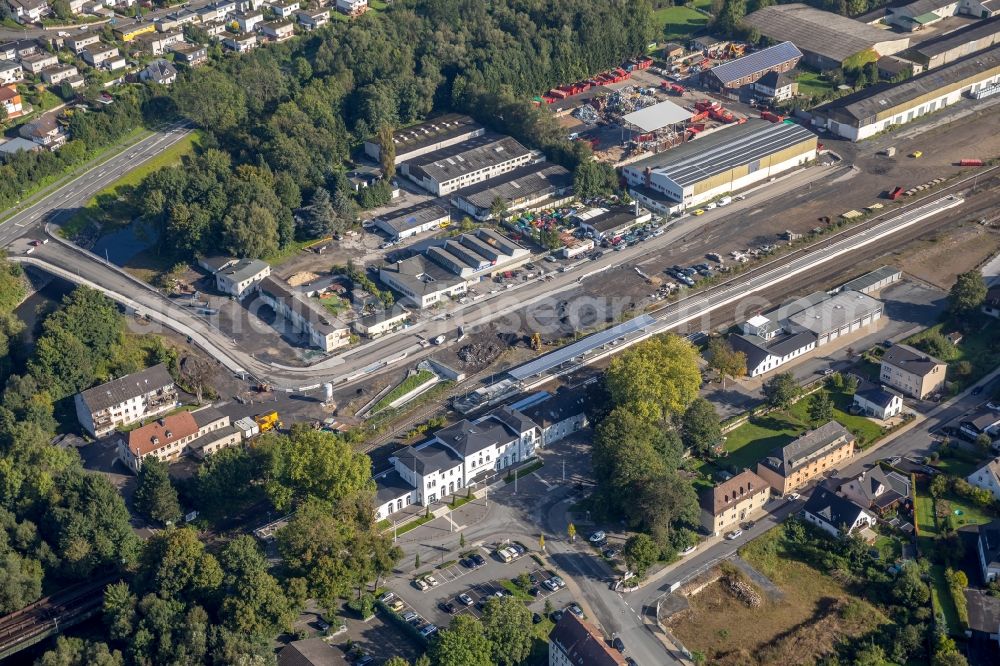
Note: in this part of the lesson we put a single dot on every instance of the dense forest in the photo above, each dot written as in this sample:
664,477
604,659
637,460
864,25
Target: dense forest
283,121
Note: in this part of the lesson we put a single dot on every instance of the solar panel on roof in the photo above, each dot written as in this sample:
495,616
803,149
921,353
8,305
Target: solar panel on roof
756,62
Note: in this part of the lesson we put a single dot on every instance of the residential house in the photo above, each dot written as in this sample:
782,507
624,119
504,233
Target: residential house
242,277
10,72
18,49
747,70
227,7
283,8
191,55
576,642
815,453
456,457
37,62
56,75
17,145
991,305
310,19
984,421
381,323
248,21
987,477
159,71
28,11
76,6
733,501
775,87
126,400
877,489
158,43
10,99
212,13
834,514
988,549
305,315
984,625
79,41
126,32
100,55
557,416
176,20
352,7
277,31
44,131
878,403
216,29
672,51
239,43
216,263
913,372
199,433
311,652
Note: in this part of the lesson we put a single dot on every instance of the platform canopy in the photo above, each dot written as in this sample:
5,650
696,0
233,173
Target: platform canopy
659,115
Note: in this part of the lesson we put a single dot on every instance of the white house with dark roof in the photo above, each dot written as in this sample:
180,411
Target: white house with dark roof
834,514
455,457
988,549
987,477
126,400
242,277
876,489
878,403
557,415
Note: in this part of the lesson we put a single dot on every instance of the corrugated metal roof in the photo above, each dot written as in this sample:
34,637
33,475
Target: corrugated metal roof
659,115
756,62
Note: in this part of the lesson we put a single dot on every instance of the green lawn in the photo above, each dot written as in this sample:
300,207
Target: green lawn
813,83
978,347
941,598
679,22
334,305
404,387
863,428
755,439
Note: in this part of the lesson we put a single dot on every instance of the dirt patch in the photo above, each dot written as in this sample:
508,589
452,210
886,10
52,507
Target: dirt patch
939,258
813,615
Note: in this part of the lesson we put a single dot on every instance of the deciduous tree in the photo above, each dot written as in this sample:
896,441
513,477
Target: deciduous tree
155,497
781,391
725,360
464,643
700,428
968,292
657,378
507,624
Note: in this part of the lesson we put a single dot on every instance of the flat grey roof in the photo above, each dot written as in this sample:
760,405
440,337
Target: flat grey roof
824,33
471,155
758,61
989,27
658,115
868,103
526,181
414,216
836,312
433,131
244,269
421,275
721,151
559,356
870,279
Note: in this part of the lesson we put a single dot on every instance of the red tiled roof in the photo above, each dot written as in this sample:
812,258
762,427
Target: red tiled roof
161,432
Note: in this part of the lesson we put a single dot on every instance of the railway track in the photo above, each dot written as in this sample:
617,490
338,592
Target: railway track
49,615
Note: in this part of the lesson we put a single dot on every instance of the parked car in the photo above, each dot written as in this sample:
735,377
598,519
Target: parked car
597,537
365,660
387,597
550,585
428,630
465,599
611,552
560,583
977,390
397,606
421,584
618,644
467,562
687,551
556,615
447,607
431,580
534,591
735,534
699,211
409,616
536,618
478,559
575,609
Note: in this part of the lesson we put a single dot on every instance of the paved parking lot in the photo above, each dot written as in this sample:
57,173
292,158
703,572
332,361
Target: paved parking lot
480,584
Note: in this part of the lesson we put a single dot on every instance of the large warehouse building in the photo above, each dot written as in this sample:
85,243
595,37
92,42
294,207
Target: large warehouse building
953,46
526,188
434,134
452,266
827,40
718,163
473,161
875,109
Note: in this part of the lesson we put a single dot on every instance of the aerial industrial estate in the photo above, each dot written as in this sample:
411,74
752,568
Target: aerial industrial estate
447,334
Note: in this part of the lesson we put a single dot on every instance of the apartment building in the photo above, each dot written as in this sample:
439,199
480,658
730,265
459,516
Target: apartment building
200,433
911,371
576,642
461,455
818,451
308,319
733,501
126,400
241,278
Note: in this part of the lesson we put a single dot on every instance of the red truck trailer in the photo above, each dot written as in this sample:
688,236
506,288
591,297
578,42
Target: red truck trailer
773,117
896,193
970,162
